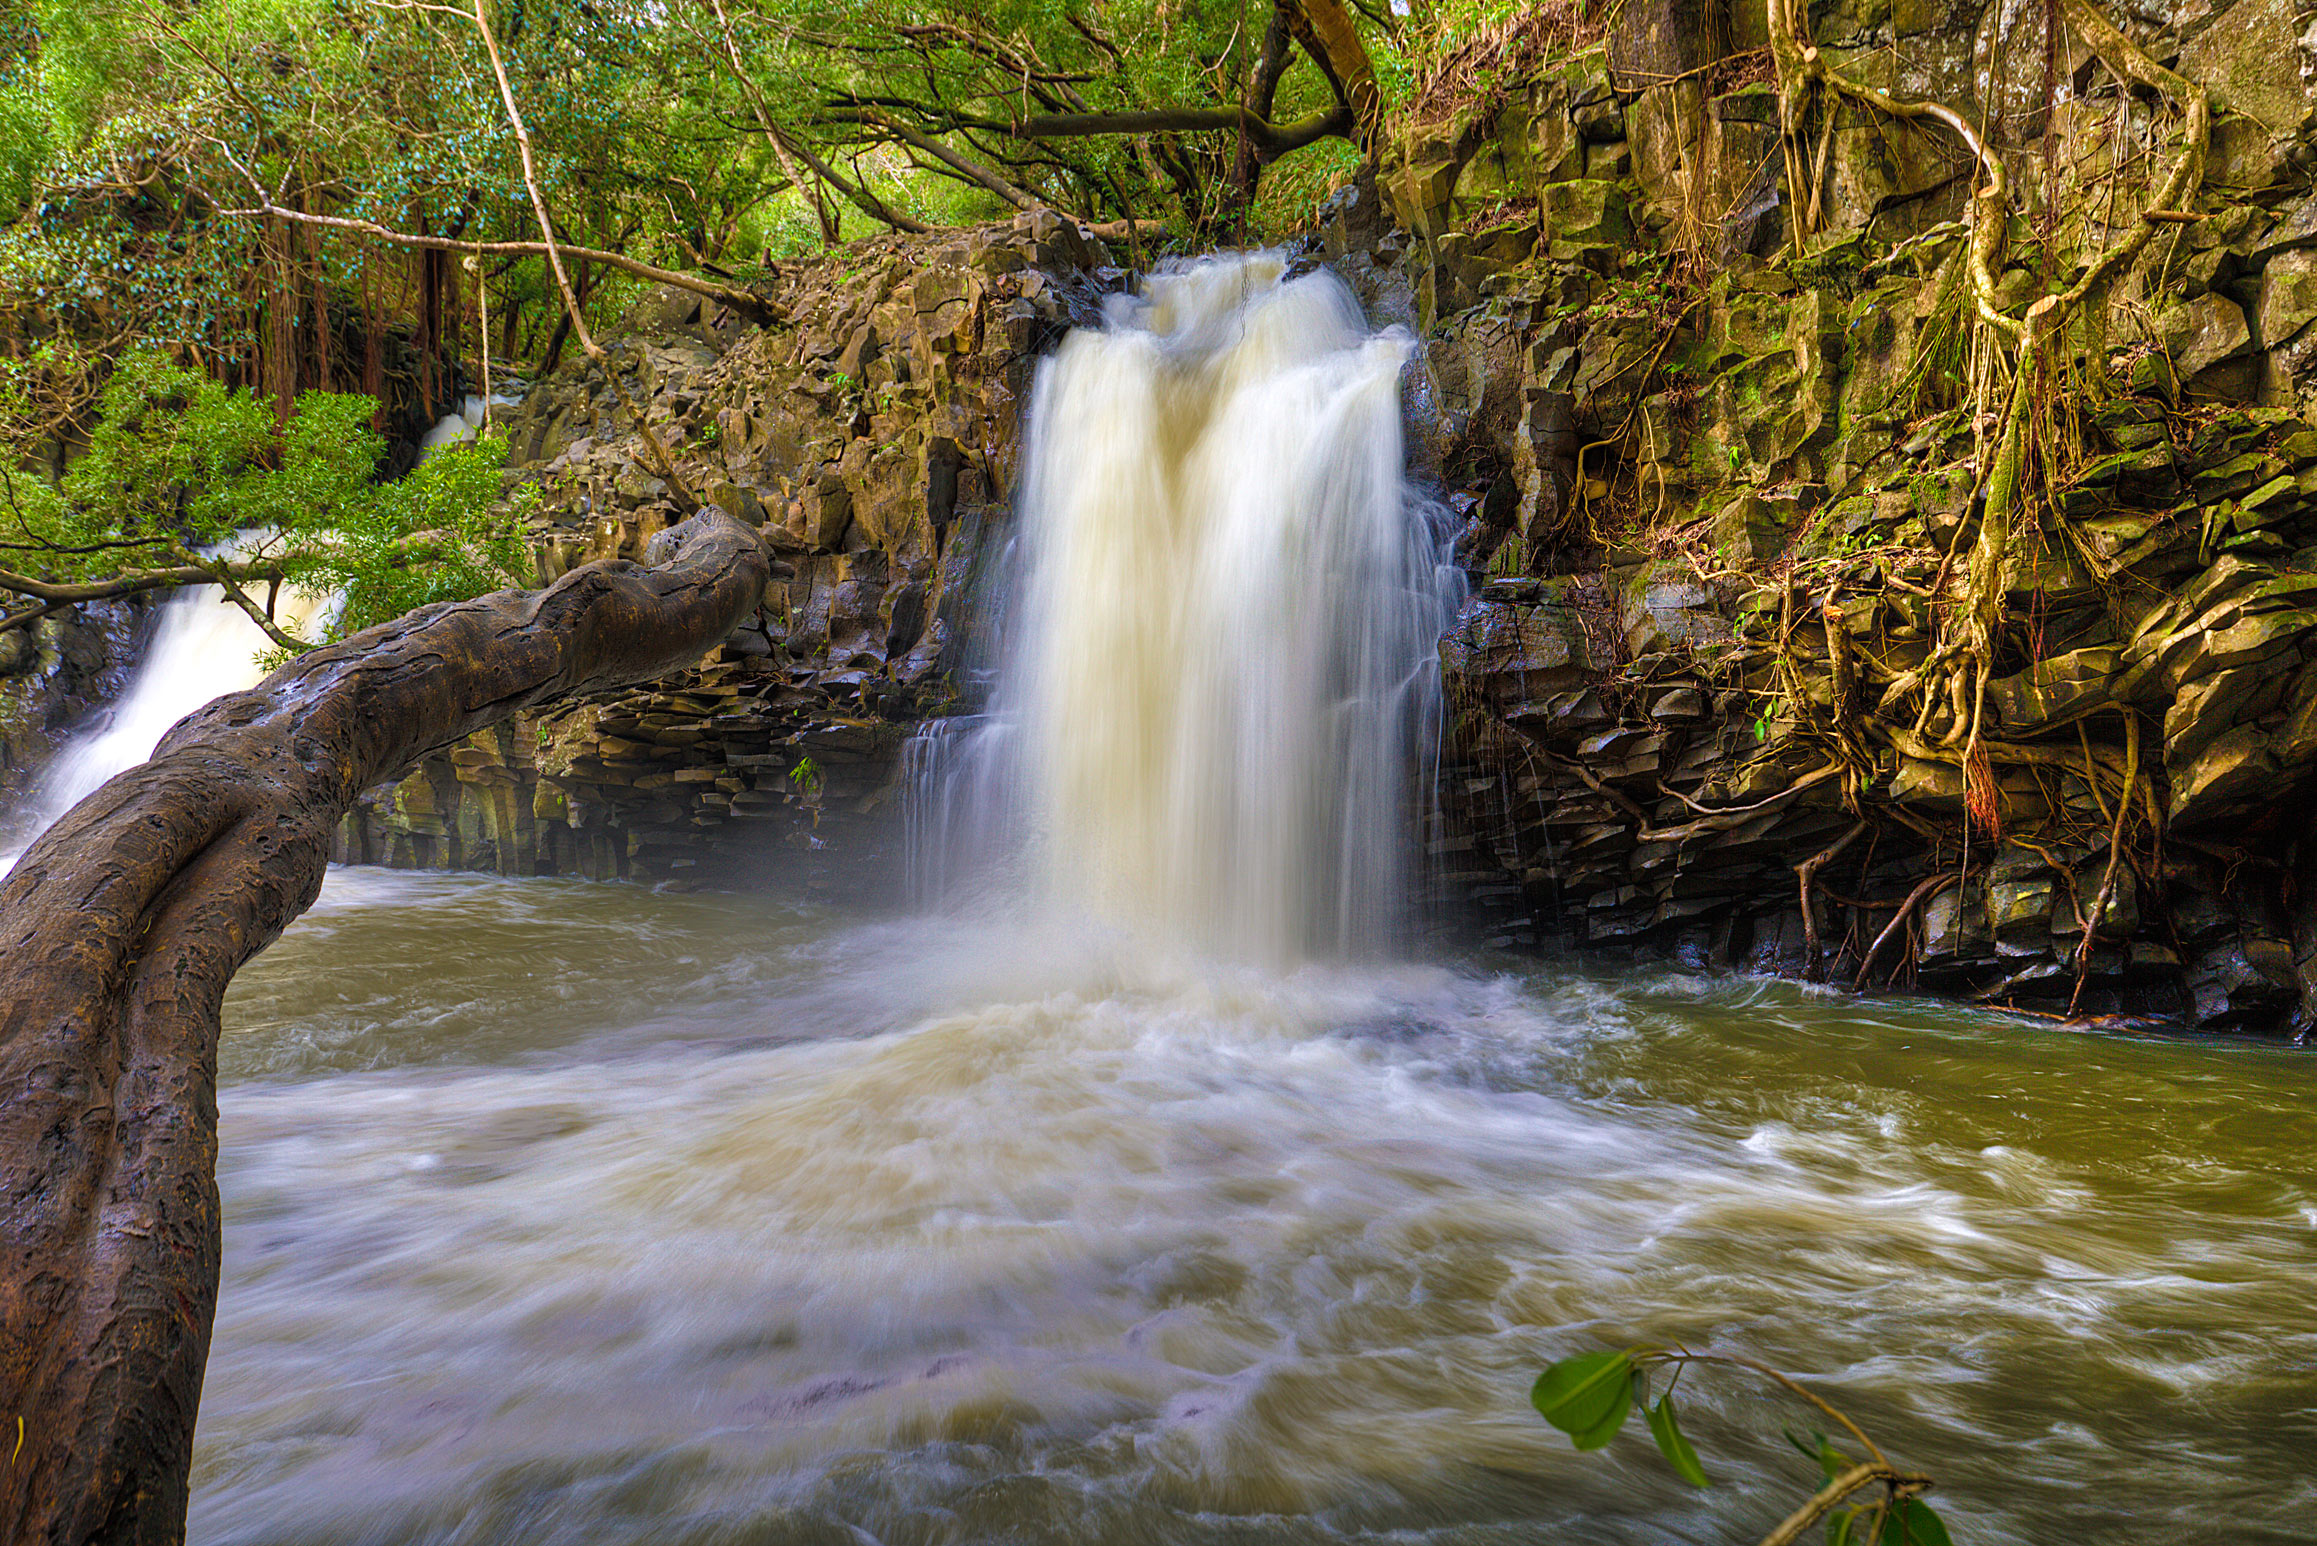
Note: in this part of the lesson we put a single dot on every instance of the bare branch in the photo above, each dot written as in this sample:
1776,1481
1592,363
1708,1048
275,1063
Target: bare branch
1274,139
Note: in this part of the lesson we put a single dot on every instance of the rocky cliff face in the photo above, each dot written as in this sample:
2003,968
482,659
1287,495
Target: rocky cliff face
872,439
1723,465
1721,453
51,676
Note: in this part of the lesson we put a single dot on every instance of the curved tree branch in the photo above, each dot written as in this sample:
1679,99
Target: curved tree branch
755,307
965,166
54,595
1274,139
121,928
1329,35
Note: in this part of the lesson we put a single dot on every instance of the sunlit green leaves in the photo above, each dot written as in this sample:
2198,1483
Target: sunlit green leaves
1673,1443
1587,1397
440,534
177,463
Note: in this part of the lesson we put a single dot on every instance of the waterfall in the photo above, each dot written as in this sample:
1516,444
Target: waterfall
203,646
1218,681
465,422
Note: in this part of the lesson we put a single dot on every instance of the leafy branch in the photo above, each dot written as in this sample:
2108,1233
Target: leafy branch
1590,1396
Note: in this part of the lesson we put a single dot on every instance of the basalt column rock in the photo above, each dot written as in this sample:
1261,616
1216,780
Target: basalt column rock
871,438
1718,542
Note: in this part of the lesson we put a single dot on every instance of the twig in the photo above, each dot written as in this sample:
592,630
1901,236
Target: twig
781,148
666,464
1901,1484
256,613
1739,1360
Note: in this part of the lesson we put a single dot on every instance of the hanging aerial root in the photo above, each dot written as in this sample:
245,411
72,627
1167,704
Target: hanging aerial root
1915,898
1806,876
2107,892
1963,661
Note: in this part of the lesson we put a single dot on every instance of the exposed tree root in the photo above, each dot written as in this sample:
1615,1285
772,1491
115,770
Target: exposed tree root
1953,680
2107,891
1915,898
1806,873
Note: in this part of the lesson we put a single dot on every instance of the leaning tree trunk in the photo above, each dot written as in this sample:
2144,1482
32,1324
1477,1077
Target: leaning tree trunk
119,930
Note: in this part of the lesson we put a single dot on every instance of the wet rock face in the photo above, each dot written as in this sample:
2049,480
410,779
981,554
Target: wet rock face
1680,505
54,678
872,440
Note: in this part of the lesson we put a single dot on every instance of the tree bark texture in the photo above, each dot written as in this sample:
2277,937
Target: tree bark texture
119,931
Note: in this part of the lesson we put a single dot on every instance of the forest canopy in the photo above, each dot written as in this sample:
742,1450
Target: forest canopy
298,200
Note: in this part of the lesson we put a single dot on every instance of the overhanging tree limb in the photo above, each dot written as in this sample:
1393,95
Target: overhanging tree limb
754,307
1274,139
964,166
782,148
121,928
1328,33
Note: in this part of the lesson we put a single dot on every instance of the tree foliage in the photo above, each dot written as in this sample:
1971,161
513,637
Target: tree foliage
309,202
1589,1396
185,477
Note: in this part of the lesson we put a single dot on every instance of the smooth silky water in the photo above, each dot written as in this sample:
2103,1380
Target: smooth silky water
1134,1190
565,1212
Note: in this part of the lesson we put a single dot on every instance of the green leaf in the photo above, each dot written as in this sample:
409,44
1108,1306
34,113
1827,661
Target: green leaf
1913,1524
1576,1394
1606,1429
1840,1526
1673,1443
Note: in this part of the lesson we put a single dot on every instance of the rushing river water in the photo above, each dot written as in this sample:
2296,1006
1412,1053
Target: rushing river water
559,1212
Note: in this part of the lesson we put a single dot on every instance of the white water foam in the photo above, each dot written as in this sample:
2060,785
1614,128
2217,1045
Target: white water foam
203,647
1219,682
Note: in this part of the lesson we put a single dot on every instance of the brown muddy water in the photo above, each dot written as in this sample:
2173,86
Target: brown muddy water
559,1212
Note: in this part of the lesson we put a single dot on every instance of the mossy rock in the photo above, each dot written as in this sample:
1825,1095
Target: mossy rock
1585,218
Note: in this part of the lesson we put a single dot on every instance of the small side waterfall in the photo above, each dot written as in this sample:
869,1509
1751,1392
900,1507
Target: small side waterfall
203,646
1219,678
463,423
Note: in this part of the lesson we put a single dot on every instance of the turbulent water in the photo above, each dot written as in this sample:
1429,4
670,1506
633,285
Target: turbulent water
1219,672
202,646
559,1212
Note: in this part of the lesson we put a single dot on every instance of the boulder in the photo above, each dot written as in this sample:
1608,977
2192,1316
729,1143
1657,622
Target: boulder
2235,768
2202,333
2288,296
1585,219
2252,52
2055,689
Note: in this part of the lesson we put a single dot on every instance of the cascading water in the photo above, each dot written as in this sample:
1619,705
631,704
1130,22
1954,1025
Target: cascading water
463,423
202,646
1219,676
